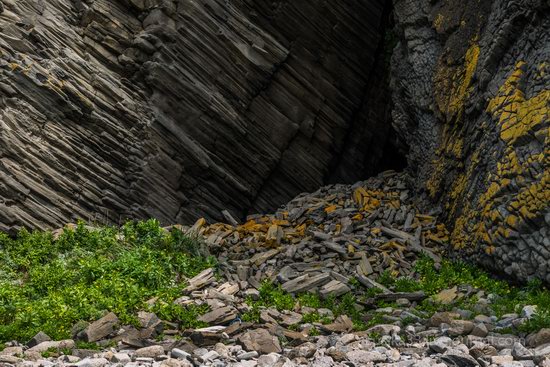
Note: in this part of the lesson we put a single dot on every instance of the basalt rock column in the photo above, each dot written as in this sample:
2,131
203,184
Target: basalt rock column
178,109
471,90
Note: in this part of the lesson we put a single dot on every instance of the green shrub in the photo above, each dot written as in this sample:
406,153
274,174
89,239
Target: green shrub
48,285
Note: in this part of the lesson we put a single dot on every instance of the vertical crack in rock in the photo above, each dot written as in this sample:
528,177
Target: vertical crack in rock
371,143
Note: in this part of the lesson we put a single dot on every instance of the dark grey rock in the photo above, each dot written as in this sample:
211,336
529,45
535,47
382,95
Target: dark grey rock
100,329
177,112
38,338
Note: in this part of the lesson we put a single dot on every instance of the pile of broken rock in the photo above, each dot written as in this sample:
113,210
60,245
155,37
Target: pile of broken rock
321,242
442,340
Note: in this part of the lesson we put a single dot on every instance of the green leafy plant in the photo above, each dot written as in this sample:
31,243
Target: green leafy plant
48,285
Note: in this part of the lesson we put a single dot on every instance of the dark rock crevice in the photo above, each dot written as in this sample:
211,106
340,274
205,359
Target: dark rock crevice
371,144
178,110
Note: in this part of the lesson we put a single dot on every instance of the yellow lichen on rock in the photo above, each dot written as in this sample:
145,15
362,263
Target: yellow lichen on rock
518,189
450,150
438,23
517,115
453,84
520,184
369,200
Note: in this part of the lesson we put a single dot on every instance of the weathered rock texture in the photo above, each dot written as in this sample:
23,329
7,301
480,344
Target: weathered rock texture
178,109
471,89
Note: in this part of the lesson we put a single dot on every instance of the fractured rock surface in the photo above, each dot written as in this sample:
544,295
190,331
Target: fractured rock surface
379,224
179,109
471,93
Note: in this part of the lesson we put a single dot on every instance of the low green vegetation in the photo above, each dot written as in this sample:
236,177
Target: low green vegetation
505,298
274,296
48,285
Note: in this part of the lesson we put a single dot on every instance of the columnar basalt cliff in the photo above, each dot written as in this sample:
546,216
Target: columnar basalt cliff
471,88
179,109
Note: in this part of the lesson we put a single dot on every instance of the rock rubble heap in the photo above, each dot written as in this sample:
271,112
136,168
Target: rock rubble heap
335,245
320,241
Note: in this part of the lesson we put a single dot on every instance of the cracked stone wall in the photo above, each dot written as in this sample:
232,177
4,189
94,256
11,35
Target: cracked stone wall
179,109
471,92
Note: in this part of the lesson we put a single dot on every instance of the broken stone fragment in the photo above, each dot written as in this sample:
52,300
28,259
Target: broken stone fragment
208,336
342,324
44,346
384,329
363,357
333,246
153,351
447,296
364,268
334,288
369,283
229,218
261,341
262,257
219,316
305,283
37,339
150,323
100,329
290,318
201,280
456,358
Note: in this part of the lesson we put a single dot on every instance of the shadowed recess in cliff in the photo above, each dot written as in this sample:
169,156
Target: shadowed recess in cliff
371,143
181,109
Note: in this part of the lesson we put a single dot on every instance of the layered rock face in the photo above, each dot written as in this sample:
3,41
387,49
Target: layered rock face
178,109
471,88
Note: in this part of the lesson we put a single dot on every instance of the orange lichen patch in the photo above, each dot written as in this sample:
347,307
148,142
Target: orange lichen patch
512,221
301,230
439,235
520,184
368,200
457,192
425,218
453,84
198,224
434,182
392,245
280,222
251,226
489,250
359,194
458,235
